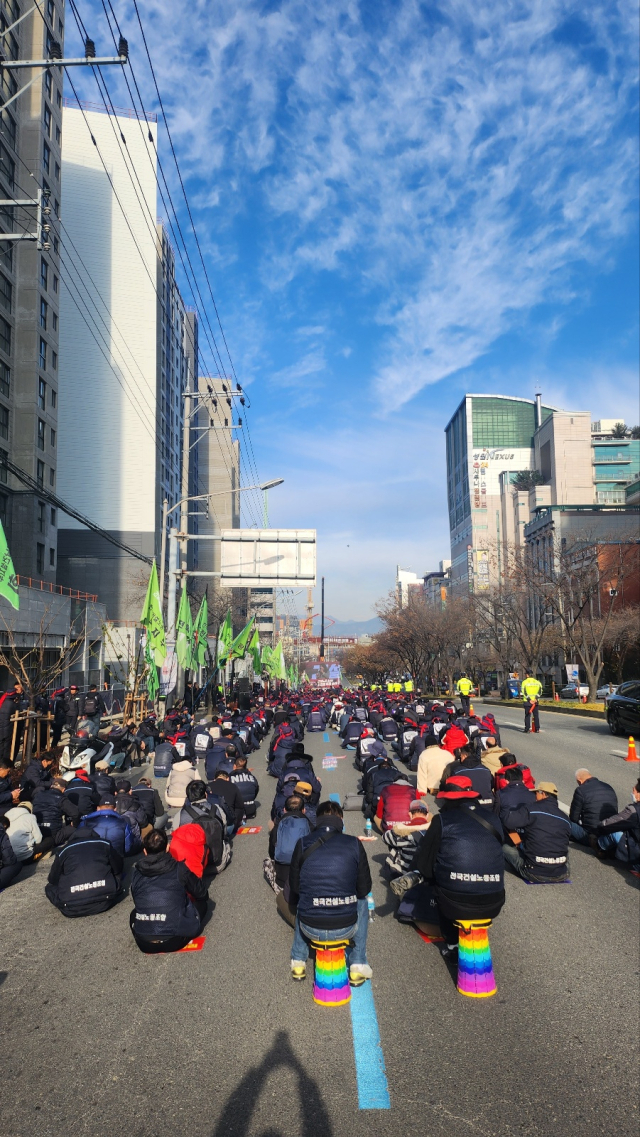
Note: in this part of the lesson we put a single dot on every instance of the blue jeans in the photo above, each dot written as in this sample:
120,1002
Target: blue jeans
610,840
579,834
356,932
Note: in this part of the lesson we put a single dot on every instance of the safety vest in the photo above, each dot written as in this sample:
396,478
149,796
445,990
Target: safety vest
465,686
531,688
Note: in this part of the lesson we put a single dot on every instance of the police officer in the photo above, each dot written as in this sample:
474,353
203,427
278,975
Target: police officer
464,688
531,690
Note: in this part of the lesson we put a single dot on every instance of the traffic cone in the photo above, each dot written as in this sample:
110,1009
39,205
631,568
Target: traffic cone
631,752
471,710
556,697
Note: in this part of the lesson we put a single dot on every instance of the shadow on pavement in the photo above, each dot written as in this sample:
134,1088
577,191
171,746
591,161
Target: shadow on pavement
238,1111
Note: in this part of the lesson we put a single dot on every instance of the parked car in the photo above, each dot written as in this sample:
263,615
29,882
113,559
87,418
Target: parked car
572,691
605,691
623,709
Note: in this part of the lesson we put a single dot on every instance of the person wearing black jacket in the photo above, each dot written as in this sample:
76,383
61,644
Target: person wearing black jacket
221,787
85,876
329,881
469,764
170,901
37,775
50,811
542,857
8,795
71,708
514,794
593,801
102,780
211,818
461,855
246,784
80,797
9,704
151,802
10,866
92,707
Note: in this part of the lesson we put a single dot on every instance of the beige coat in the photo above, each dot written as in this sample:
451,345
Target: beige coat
181,774
492,758
431,765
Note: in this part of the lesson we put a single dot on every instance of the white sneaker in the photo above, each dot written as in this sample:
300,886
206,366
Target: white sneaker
298,969
358,973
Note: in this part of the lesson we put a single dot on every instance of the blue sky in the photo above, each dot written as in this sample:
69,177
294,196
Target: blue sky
400,202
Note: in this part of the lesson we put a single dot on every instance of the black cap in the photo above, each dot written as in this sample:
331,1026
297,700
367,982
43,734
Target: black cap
107,799
123,785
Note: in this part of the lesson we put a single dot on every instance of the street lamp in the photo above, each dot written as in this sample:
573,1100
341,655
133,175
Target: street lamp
265,487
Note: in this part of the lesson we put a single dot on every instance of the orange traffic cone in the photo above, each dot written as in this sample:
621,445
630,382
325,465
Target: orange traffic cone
556,697
471,710
631,752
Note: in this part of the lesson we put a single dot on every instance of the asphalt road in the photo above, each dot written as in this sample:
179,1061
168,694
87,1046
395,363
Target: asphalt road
98,1039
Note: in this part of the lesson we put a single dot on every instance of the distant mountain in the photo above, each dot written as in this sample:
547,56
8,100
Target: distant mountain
350,627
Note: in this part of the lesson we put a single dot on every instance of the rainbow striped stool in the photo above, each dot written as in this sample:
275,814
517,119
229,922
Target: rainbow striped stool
475,969
331,983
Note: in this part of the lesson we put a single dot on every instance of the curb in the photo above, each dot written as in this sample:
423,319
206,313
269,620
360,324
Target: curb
578,711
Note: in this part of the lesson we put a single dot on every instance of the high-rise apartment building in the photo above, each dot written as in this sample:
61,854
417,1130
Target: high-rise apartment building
122,356
218,468
489,438
30,374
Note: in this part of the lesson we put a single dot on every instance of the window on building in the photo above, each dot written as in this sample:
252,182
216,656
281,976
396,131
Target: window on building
41,437
47,119
5,335
9,127
4,423
52,558
3,466
44,309
56,170
44,273
54,361
50,11
42,394
5,380
58,139
54,397
7,165
59,98
56,245
52,477
48,83
39,557
42,359
54,320
40,472
53,516
42,517
6,292
56,208
4,502
53,437
46,156
55,283
60,27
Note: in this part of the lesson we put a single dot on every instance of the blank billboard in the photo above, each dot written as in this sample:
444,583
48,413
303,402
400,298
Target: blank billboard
280,558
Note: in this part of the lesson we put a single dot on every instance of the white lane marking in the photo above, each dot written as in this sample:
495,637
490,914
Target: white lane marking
563,806
619,753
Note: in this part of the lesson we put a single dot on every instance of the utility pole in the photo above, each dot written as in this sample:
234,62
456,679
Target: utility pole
322,620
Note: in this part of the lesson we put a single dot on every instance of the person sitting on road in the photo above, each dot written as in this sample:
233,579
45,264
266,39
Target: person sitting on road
86,875
38,774
9,794
170,901
306,792
492,754
468,763
217,757
182,772
102,780
453,738
542,854
432,763
211,817
27,839
10,866
593,801
404,837
107,823
460,856
620,833
514,794
149,800
247,785
228,796
329,881
380,774
129,808
202,740
50,810
393,804
80,796
508,763
284,837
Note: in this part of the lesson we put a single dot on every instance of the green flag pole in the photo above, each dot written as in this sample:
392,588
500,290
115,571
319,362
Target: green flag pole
151,619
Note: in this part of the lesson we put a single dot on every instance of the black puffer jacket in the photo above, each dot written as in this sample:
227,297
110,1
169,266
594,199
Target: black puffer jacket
592,803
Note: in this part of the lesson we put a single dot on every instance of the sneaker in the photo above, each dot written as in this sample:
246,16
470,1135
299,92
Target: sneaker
404,883
448,951
298,969
359,973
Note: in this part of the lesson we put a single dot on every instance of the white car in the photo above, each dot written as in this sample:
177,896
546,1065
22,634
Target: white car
606,691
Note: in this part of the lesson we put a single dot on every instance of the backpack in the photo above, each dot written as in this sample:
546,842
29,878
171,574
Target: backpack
223,805
90,705
290,830
189,844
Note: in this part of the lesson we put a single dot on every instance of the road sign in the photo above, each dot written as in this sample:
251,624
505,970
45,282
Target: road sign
282,558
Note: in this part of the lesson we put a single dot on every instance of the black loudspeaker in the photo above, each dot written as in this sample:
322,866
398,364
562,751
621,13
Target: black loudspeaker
244,685
244,702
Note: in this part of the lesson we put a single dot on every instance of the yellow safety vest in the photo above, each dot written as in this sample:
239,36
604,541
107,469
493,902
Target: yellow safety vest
531,688
464,686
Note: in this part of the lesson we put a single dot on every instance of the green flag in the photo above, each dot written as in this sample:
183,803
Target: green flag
184,632
152,671
200,631
225,636
254,649
238,648
8,582
151,619
277,658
